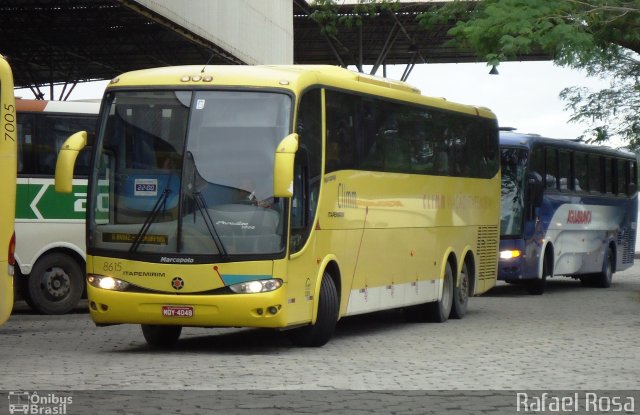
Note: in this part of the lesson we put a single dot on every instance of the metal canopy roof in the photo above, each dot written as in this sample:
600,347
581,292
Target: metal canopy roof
386,38
69,41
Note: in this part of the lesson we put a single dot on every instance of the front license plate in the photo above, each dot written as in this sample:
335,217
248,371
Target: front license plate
177,311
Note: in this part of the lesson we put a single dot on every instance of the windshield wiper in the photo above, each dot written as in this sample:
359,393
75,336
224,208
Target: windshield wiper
211,227
151,218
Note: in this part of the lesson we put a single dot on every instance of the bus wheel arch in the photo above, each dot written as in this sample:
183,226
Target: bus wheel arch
326,310
538,285
56,282
464,286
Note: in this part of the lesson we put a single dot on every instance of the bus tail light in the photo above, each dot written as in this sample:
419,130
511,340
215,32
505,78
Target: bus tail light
12,253
107,283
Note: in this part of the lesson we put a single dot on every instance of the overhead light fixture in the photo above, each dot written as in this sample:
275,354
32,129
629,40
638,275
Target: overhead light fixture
494,70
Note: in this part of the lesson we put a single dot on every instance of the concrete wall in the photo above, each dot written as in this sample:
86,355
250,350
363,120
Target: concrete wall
255,31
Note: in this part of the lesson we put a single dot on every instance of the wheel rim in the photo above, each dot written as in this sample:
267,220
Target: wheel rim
463,292
56,284
446,292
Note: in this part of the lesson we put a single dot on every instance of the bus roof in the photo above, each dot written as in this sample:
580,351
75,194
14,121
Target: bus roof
290,77
528,140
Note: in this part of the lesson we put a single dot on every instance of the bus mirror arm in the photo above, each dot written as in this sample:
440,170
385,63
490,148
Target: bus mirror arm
67,159
283,166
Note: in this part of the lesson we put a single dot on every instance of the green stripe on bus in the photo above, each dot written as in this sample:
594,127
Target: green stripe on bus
41,201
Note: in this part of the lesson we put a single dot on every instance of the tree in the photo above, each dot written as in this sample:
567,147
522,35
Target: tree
325,13
599,36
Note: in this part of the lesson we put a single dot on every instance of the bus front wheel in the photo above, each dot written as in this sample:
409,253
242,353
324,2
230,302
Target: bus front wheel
161,337
55,284
318,334
537,286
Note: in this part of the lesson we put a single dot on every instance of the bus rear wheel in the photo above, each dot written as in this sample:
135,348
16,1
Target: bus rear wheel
55,284
318,334
161,337
439,311
603,279
461,295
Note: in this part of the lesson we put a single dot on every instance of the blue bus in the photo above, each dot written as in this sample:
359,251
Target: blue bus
567,209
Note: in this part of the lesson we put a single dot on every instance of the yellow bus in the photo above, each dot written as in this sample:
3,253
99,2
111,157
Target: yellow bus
8,172
285,197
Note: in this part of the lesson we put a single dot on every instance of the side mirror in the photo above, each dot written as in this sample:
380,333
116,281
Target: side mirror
67,160
283,166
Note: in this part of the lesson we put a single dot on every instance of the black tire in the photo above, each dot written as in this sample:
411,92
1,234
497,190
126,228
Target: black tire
161,337
461,295
603,279
438,311
318,334
588,280
55,284
537,286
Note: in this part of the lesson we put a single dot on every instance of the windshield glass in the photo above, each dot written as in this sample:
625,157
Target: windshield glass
513,164
189,173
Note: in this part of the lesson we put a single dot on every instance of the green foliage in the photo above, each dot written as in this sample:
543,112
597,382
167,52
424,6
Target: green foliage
326,13
599,36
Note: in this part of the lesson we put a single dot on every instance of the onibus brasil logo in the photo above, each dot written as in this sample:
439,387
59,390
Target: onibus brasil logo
34,403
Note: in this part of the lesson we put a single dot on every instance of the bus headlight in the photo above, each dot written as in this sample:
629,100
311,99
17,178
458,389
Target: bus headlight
107,283
509,254
258,286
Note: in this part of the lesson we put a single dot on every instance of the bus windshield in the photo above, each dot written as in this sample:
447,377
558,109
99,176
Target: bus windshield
189,172
513,165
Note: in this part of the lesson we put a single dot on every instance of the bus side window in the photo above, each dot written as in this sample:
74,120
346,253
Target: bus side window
621,180
537,163
564,170
632,172
307,169
551,164
609,180
26,137
581,181
595,182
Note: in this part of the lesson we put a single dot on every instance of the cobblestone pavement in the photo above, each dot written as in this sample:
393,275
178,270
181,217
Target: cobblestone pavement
572,337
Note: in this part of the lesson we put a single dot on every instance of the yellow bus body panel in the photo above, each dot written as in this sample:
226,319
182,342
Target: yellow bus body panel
198,280
8,172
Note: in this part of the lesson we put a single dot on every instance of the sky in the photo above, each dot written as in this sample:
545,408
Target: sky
524,95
